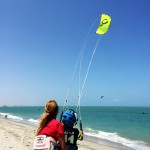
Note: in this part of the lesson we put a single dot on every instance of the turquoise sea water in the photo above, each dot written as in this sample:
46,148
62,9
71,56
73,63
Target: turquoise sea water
126,127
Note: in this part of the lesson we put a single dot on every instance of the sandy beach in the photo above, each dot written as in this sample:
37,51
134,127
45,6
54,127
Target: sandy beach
20,136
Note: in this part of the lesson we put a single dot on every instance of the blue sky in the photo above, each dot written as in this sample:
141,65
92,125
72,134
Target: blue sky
40,42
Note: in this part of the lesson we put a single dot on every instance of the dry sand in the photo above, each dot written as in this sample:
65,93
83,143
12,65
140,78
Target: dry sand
18,136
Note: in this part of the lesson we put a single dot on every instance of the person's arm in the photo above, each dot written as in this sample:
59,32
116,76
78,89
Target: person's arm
62,143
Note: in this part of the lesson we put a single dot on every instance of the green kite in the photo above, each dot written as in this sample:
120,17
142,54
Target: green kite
104,24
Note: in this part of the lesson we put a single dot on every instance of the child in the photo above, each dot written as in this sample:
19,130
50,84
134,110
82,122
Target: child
69,119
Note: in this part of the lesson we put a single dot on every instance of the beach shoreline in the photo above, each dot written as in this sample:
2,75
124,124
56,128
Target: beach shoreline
17,135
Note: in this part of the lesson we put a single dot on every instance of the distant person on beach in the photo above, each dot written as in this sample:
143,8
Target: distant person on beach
49,126
6,116
72,134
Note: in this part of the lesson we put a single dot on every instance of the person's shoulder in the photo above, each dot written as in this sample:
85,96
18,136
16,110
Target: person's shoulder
57,122
76,129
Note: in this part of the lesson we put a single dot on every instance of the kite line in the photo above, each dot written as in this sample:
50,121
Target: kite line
103,27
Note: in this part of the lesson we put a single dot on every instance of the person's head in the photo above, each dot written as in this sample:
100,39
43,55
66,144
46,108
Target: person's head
51,111
69,118
51,108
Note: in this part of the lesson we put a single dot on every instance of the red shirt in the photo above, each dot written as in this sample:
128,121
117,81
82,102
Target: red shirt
54,129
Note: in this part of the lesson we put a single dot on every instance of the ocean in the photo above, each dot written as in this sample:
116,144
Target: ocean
124,127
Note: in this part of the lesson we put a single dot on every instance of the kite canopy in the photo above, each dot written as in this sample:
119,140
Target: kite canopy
104,24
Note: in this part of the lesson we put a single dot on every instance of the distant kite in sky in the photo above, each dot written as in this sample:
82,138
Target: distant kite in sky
104,24
102,97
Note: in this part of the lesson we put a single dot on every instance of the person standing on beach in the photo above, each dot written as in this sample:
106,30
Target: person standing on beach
49,126
72,134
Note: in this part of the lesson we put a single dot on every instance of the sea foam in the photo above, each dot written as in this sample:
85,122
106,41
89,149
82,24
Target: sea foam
114,137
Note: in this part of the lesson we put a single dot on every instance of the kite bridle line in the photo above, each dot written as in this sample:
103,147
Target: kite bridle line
80,65
85,78
69,86
79,58
99,31
82,52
